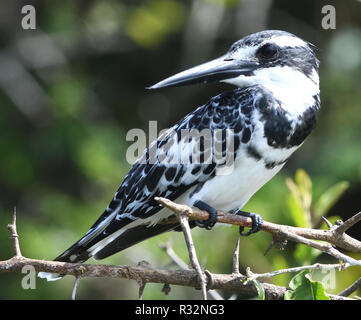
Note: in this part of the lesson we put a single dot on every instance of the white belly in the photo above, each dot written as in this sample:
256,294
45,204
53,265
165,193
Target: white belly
226,192
232,191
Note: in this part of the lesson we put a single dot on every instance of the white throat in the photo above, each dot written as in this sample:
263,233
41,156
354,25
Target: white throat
291,87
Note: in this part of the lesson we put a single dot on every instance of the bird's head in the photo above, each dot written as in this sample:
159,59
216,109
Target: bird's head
280,61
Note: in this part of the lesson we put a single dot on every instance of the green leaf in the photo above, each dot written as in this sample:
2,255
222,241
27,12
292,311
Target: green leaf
298,217
318,290
303,182
304,288
301,198
329,198
298,280
304,185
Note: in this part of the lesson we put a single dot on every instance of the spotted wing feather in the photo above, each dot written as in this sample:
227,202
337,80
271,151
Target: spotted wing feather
134,200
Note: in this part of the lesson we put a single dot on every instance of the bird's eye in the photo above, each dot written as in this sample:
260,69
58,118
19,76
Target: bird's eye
268,51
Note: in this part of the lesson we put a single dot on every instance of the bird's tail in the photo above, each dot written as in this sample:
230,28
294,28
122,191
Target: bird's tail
78,252
102,241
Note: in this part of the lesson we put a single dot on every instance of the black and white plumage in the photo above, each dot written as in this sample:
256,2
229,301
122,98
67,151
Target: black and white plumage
270,114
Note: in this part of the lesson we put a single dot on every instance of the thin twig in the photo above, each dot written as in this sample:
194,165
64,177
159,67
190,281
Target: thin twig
183,219
75,288
235,268
173,256
351,289
317,266
343,227
181,264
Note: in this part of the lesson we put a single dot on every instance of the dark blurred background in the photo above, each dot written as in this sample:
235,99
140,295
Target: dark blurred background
72,88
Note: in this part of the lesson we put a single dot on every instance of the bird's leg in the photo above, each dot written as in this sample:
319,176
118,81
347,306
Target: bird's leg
213,217
257,222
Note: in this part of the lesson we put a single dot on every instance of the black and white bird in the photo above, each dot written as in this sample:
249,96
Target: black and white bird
269,115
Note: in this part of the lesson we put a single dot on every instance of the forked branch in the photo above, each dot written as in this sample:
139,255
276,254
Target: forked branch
235,281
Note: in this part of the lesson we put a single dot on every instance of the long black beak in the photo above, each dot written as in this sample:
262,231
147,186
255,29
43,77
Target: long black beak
216,70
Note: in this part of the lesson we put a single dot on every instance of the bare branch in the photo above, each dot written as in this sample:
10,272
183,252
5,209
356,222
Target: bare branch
343,227
181,264
306,236
351,289
187,278
75,288
235,281
183,219
235,268
316,266
173,256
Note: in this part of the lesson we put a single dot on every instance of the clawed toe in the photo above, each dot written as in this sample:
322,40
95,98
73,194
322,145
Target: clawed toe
257,222
213,217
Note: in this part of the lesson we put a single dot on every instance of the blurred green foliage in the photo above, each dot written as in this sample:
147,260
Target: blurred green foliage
148,25
72,88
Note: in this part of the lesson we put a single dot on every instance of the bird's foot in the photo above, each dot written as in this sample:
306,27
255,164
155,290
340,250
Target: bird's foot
213,217
257,222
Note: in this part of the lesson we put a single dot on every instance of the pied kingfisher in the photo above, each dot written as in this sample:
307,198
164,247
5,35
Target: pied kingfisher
272,111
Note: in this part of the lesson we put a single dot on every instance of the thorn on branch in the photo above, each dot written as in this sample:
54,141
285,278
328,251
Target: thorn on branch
140,281
329,224
15,236
142,285
270,246
144,264
166,289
